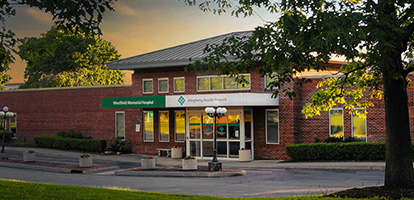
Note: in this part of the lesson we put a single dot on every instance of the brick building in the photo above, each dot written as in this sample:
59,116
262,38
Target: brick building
165,104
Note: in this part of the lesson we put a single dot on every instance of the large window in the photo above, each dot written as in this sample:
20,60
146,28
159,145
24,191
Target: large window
359,126
148,126
272,126
120,124
336,122
268,79
215,83
147,86
179,84
179,126
164,120
163,85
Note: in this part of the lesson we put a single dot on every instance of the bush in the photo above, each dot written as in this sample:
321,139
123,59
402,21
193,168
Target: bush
70,134
339,139
119,144
7,136
87,145
356,151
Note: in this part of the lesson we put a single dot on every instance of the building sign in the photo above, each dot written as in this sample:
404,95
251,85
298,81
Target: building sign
134,102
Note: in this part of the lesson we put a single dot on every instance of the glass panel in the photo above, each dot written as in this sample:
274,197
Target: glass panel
234,126
195,121
162,85
148,126
179,126
147,86
230,83
248,145
208,125
222,149
359,126
208,149
234,149
178,84
269,79
195,148
244,85
164,126
248,124
222,127
337,123
203,83
216,83
13,125
120,125
272,126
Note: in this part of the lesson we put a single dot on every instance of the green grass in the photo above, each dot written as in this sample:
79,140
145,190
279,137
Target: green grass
13,189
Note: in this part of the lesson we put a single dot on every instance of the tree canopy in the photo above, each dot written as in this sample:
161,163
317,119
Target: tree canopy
61,58
375,38
85,15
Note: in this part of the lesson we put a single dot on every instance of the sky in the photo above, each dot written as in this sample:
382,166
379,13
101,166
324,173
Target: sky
140,26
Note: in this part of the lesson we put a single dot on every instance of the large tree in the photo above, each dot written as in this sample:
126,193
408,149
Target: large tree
375,37
83,15
62,58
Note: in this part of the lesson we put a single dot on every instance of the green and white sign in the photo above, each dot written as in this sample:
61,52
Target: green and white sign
134,102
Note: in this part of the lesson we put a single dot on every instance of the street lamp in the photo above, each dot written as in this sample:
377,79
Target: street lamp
216,113
5,115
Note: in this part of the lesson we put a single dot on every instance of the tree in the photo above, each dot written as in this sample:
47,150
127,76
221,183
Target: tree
62,58
376,38
85,15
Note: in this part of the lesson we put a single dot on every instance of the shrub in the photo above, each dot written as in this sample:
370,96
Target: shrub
356,151
119,144
339,139
70,134
88,145
7,136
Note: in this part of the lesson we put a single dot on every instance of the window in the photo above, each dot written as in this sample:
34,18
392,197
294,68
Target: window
179,84
215,83
179,126
359,125
147,86
268,79
336,123
164,120
272,126
120,124
163,85
148,126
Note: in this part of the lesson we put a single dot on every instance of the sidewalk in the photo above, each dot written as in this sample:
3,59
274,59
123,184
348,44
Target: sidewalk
71,157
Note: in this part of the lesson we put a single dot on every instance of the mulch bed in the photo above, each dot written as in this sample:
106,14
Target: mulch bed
376,191
55,165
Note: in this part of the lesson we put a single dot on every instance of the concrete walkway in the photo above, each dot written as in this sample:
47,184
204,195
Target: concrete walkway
165,162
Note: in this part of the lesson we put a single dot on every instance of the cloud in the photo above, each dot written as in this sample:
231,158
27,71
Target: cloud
38,14
125,9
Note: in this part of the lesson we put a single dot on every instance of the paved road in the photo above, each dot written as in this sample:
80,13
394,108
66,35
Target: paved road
258,183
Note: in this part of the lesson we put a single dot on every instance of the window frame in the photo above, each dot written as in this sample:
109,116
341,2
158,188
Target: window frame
352,124
159,125
144,125
278,126
175,126
179,78
266,83
168,87
143,86
116,124
343,122
223,83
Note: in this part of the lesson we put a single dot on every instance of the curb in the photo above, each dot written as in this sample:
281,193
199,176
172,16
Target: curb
155,173
57,169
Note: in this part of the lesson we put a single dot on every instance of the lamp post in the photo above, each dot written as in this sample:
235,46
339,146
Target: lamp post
216,113
5,115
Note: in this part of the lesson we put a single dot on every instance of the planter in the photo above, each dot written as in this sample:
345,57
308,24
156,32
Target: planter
85,162
29,157
189,164
176,153
244,155
147,163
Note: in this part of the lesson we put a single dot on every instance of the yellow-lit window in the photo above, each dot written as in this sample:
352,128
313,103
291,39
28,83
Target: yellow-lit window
148,126
216,83
230,83
179,126
244,85
336,123
203,84
164,120
359,126
179,84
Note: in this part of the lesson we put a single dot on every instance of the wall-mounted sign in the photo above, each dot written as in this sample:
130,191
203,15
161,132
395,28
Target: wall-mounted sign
134,102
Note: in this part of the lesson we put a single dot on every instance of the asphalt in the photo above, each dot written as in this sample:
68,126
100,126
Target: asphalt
129,164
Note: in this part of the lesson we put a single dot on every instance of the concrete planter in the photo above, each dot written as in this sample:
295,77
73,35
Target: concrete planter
176,153
147,163
189,164
244,155
85,162
29,157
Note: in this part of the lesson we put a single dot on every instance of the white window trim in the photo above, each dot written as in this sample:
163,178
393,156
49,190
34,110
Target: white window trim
175,126
265,83
143,86
159,125
168,86
212,76
278,127
178,78
116,127
352,124
343,124
143,123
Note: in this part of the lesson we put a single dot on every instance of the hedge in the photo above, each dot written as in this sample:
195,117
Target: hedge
7,136
87,145
356,151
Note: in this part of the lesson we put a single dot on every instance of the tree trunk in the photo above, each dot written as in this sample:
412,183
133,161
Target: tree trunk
399,166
